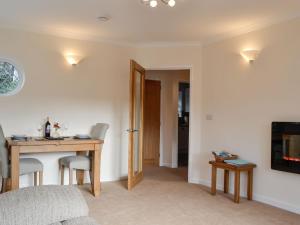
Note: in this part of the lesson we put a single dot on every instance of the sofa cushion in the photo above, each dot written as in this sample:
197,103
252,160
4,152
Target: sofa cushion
81,221
42,205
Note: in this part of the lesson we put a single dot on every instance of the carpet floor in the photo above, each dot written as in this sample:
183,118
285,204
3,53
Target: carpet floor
165,198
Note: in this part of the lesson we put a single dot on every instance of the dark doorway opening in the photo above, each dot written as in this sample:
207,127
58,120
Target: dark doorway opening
183,124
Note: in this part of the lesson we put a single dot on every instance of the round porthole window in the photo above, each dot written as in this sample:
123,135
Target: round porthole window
11,78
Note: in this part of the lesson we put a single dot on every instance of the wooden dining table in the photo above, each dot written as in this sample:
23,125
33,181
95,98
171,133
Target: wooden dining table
39,145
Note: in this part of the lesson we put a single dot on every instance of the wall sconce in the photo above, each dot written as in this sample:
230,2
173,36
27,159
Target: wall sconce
250,55
73,59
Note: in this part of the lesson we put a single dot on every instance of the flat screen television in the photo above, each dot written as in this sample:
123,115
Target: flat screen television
286,146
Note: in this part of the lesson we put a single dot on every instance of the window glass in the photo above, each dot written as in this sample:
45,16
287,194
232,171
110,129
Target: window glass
11,78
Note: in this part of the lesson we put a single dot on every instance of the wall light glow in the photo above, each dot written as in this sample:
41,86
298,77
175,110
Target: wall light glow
73,59
250,55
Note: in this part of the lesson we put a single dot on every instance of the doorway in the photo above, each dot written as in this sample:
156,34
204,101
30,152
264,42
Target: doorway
161,129
161,125
183,123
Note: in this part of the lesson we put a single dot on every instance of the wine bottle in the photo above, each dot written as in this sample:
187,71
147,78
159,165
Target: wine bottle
47,129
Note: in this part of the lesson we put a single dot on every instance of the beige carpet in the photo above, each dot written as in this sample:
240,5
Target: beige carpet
165,198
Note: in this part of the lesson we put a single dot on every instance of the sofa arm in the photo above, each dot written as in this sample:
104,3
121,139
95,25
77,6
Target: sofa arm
42,205
80,221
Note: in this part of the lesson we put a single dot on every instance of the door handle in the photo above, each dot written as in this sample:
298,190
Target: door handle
132,130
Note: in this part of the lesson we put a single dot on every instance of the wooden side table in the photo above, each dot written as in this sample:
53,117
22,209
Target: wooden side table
237,171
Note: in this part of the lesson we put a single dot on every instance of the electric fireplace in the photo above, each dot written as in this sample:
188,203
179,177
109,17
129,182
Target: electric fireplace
286,146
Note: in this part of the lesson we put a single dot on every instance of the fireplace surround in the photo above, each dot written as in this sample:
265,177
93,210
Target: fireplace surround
286,146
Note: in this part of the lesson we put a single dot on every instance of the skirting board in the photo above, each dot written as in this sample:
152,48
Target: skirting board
167,165
256,197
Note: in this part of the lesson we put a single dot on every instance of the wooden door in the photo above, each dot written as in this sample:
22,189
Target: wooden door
152,122
136,122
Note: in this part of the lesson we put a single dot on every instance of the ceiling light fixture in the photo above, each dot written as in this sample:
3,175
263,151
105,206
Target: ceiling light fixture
154,3
171,3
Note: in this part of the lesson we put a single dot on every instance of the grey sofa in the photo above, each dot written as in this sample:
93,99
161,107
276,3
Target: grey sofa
44,205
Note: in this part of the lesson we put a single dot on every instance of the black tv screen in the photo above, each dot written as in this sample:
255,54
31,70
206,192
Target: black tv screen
286,146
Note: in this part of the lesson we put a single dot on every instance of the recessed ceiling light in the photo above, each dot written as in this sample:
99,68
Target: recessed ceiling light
103,18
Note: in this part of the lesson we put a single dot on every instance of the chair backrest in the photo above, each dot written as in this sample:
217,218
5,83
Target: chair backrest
99,131
3,155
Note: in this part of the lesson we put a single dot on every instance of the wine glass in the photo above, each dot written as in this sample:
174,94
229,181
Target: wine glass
64,128
39,128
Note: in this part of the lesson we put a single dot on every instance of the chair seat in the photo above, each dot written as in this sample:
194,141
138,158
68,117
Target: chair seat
26,166
30,165
76,162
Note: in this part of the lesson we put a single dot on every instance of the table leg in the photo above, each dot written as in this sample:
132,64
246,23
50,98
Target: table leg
226,181
80,173
62,176
35,178
71,176
96,170
41,177
213,180
250,184
237,187
5,187
80,177
15,171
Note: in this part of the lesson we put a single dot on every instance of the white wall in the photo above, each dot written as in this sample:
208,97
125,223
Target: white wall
169,112
94,91
244,99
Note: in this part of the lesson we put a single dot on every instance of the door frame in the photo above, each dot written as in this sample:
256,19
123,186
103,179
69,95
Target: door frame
175,150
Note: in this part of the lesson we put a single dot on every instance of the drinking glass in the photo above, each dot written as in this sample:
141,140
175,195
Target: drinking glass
64,128
39,128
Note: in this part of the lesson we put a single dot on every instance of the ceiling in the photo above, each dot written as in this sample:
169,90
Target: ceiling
189,22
